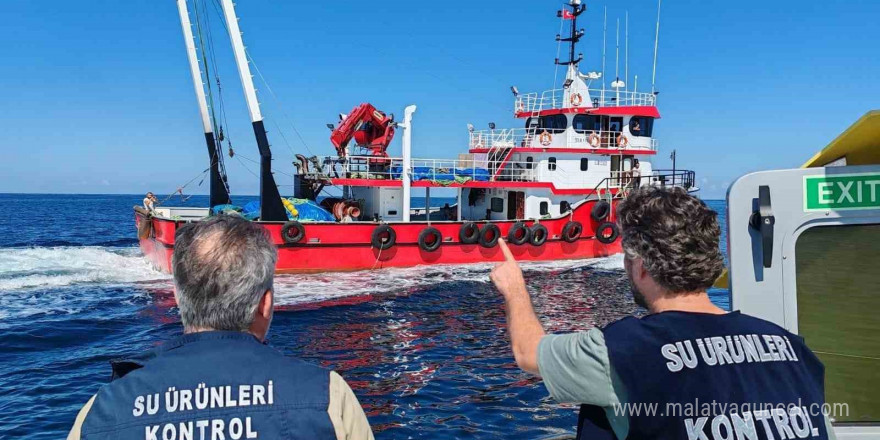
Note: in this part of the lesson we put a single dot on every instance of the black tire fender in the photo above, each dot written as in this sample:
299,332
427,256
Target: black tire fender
519,233
379,242
293,232
469,233
607,232
600,210
425,235
489,235
538,234
572,231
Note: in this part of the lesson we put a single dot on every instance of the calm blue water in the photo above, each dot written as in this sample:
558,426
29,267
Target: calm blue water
424,349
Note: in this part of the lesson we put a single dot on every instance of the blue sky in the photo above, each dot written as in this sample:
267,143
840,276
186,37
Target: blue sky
97,98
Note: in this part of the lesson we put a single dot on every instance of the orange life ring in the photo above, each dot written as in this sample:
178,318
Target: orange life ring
622,141
576,99
594,140
545,138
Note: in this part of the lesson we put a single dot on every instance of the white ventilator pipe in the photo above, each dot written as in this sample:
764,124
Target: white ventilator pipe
407,158
194,65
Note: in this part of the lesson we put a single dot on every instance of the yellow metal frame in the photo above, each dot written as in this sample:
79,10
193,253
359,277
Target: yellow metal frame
858,145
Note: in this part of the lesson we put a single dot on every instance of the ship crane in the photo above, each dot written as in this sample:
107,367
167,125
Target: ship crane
370,129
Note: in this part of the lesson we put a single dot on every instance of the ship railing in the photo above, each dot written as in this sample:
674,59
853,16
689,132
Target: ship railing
500,139
619,183
443,171
555,99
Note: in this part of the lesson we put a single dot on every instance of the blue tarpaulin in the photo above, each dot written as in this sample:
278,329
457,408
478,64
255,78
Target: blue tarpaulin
428,173
308,211
311,211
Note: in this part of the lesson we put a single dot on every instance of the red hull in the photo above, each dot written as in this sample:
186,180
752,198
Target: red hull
336,247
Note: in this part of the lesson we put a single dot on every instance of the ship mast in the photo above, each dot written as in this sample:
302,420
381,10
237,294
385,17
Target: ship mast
271,207
574,34
219,191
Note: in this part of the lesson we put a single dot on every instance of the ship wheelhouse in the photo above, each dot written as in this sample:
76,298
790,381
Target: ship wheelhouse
579,142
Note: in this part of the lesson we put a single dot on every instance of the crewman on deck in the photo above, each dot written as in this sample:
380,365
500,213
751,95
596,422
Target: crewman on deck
149,202
220,380
686,370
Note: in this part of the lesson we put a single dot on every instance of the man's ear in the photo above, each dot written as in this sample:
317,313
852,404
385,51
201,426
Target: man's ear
263,316
638,268
267,302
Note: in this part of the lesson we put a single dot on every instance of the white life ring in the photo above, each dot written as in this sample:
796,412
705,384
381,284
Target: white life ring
622,141
594,140
576,99
545,138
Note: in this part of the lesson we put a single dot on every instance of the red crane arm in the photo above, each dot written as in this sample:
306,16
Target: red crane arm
369,127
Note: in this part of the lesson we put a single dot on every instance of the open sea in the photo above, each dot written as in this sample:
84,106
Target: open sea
425,349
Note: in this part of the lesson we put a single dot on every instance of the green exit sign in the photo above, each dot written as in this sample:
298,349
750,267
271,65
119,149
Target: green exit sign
842,191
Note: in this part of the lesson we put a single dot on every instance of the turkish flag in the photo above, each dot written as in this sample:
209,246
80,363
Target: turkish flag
567,15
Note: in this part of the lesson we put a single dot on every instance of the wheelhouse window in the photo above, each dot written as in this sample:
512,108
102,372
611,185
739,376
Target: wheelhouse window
585,164
586,123
551,164
497,204
564,206
530,162
553,123
544,208
642,126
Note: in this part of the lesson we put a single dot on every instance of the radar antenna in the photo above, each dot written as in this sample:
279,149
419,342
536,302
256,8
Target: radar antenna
574,34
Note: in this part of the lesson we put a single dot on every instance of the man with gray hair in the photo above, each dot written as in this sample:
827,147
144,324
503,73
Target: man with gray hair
687,370
219,380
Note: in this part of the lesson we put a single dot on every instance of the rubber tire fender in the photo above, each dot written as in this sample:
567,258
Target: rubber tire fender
512,234
298,230
538,235
492,230
600,210
572,231
615,232
469,238
376,240
423,239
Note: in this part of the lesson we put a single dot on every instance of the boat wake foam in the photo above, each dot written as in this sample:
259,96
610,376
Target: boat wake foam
300,289
38,267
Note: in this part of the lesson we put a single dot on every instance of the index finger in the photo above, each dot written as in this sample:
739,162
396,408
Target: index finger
505,250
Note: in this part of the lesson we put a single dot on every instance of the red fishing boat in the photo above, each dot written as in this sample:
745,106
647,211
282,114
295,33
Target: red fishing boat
549,188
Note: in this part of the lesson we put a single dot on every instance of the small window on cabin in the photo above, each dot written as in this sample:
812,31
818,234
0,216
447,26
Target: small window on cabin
586,124
585,164
497,204
641,126
392,212
530,162
564,207
551,164
544,208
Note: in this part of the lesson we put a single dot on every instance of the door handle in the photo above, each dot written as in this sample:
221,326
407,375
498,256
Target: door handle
762,220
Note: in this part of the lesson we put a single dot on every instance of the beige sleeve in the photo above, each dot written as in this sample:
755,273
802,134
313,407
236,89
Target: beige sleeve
346,414
77,424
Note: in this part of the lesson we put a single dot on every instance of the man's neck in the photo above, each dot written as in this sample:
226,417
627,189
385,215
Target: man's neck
697,302
187,330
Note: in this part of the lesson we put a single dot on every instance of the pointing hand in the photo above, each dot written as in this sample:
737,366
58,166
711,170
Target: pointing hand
507,276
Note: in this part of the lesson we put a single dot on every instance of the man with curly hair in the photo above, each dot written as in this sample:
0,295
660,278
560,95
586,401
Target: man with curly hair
686,370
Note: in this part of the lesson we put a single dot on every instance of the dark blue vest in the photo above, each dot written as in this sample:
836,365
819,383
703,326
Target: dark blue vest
710,377
212,385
